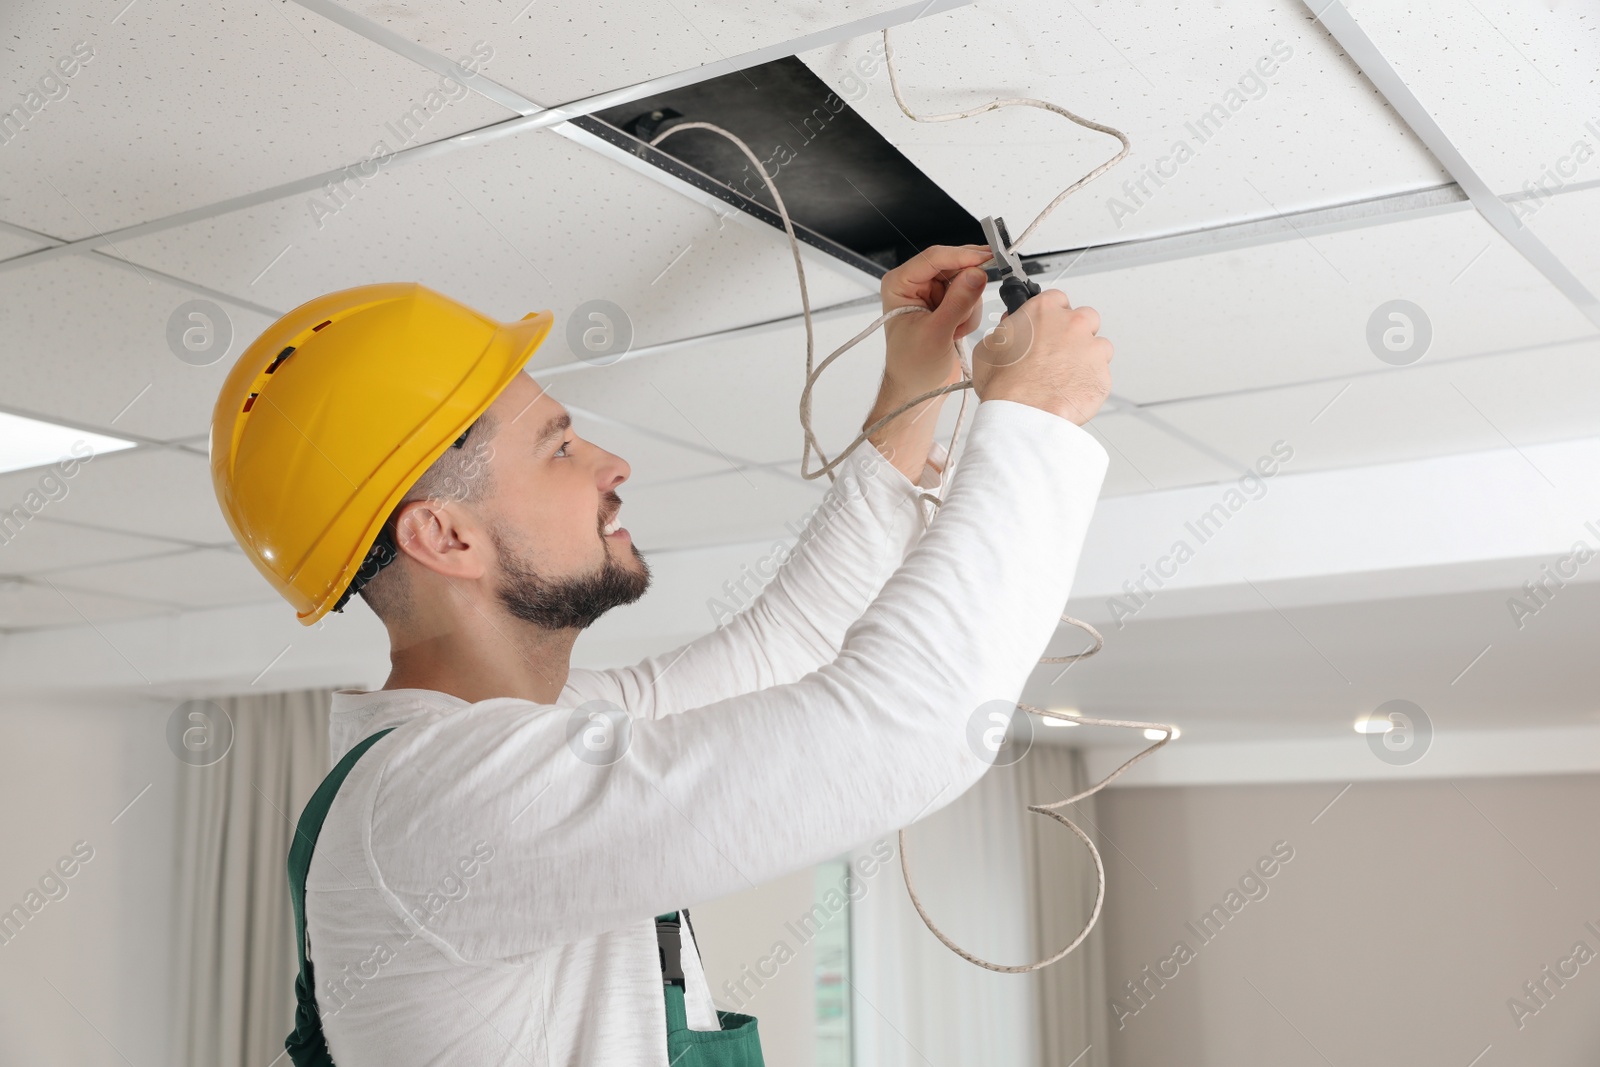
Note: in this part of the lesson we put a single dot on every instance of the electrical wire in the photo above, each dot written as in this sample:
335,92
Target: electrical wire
811,444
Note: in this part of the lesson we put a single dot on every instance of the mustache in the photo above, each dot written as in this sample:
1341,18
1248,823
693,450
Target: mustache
615,503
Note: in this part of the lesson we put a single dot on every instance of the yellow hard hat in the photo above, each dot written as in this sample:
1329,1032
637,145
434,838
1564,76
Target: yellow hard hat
335,411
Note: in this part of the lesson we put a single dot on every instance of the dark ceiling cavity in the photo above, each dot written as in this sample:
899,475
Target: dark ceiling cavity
849,192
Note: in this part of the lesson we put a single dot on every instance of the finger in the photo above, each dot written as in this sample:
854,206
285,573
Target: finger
974,320
935,260
963,296
1090,316
1055,298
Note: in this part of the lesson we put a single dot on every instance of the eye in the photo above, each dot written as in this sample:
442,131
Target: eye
564,446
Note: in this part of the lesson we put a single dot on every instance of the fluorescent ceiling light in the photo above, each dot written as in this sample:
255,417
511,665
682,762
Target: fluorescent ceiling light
1156,735
28,443
1374,724
1051,720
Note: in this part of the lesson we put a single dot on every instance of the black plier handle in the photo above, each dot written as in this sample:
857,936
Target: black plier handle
1015,287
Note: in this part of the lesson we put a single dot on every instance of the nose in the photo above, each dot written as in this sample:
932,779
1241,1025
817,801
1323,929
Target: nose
613,470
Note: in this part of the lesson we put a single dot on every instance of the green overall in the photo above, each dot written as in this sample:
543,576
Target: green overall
735,1045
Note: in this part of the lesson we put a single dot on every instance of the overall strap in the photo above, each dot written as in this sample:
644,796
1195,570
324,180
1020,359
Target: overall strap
736,1042
306,1045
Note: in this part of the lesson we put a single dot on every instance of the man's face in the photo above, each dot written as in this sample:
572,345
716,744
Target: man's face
551,496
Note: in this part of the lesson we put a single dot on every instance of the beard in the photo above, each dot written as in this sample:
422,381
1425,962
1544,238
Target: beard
567,603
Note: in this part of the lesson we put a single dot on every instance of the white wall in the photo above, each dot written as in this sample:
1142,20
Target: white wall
1411,912
85,980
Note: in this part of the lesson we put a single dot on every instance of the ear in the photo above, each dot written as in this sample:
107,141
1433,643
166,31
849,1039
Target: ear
441,537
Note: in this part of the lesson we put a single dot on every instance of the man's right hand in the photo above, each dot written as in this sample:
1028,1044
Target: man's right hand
1046,355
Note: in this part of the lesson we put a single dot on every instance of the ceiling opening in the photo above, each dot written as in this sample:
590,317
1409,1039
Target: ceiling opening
848,190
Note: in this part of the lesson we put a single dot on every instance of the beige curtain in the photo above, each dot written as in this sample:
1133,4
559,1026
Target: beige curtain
1072,993
1008,886
234,943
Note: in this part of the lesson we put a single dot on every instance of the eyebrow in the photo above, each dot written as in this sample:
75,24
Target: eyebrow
556,425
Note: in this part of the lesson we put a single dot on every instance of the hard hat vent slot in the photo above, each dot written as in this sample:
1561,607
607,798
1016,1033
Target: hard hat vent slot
320,325
281,357
250,400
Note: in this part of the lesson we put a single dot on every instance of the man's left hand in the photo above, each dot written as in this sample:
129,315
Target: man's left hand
945,279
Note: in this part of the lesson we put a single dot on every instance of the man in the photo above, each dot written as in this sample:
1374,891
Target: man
483,887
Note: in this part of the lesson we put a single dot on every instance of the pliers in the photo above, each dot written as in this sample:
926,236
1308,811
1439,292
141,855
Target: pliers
1015,288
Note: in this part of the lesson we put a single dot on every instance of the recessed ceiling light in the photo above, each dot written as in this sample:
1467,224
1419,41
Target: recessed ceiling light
1051,720
1374,724
28,443
1156,735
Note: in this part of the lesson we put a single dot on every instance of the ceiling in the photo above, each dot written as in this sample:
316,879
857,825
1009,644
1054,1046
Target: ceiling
190,154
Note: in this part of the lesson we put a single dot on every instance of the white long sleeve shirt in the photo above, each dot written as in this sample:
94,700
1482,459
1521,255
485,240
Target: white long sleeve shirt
481,895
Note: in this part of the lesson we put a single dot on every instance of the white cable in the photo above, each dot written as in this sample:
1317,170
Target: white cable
966,383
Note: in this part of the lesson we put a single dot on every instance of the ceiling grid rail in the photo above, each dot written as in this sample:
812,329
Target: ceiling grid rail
1468,188
1371,62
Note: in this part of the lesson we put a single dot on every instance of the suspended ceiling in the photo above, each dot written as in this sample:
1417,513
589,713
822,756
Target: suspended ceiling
179,165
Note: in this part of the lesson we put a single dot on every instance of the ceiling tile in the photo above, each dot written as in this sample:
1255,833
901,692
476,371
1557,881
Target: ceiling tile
515,225
171,108
713,509
32,605
557,51
653,457
1300,310
692,396
739,395
1213,140
1430,409
154,491
42,545
88,342
1568,223
1145,458
1511,84
1315,670
195,579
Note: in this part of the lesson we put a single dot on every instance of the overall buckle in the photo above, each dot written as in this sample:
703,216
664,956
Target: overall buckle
669,947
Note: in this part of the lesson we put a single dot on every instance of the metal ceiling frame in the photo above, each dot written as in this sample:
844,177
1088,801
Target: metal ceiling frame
1289,226
1370,60
1211,239
1468,190
1232,236
1376,211
1095,259
142,269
